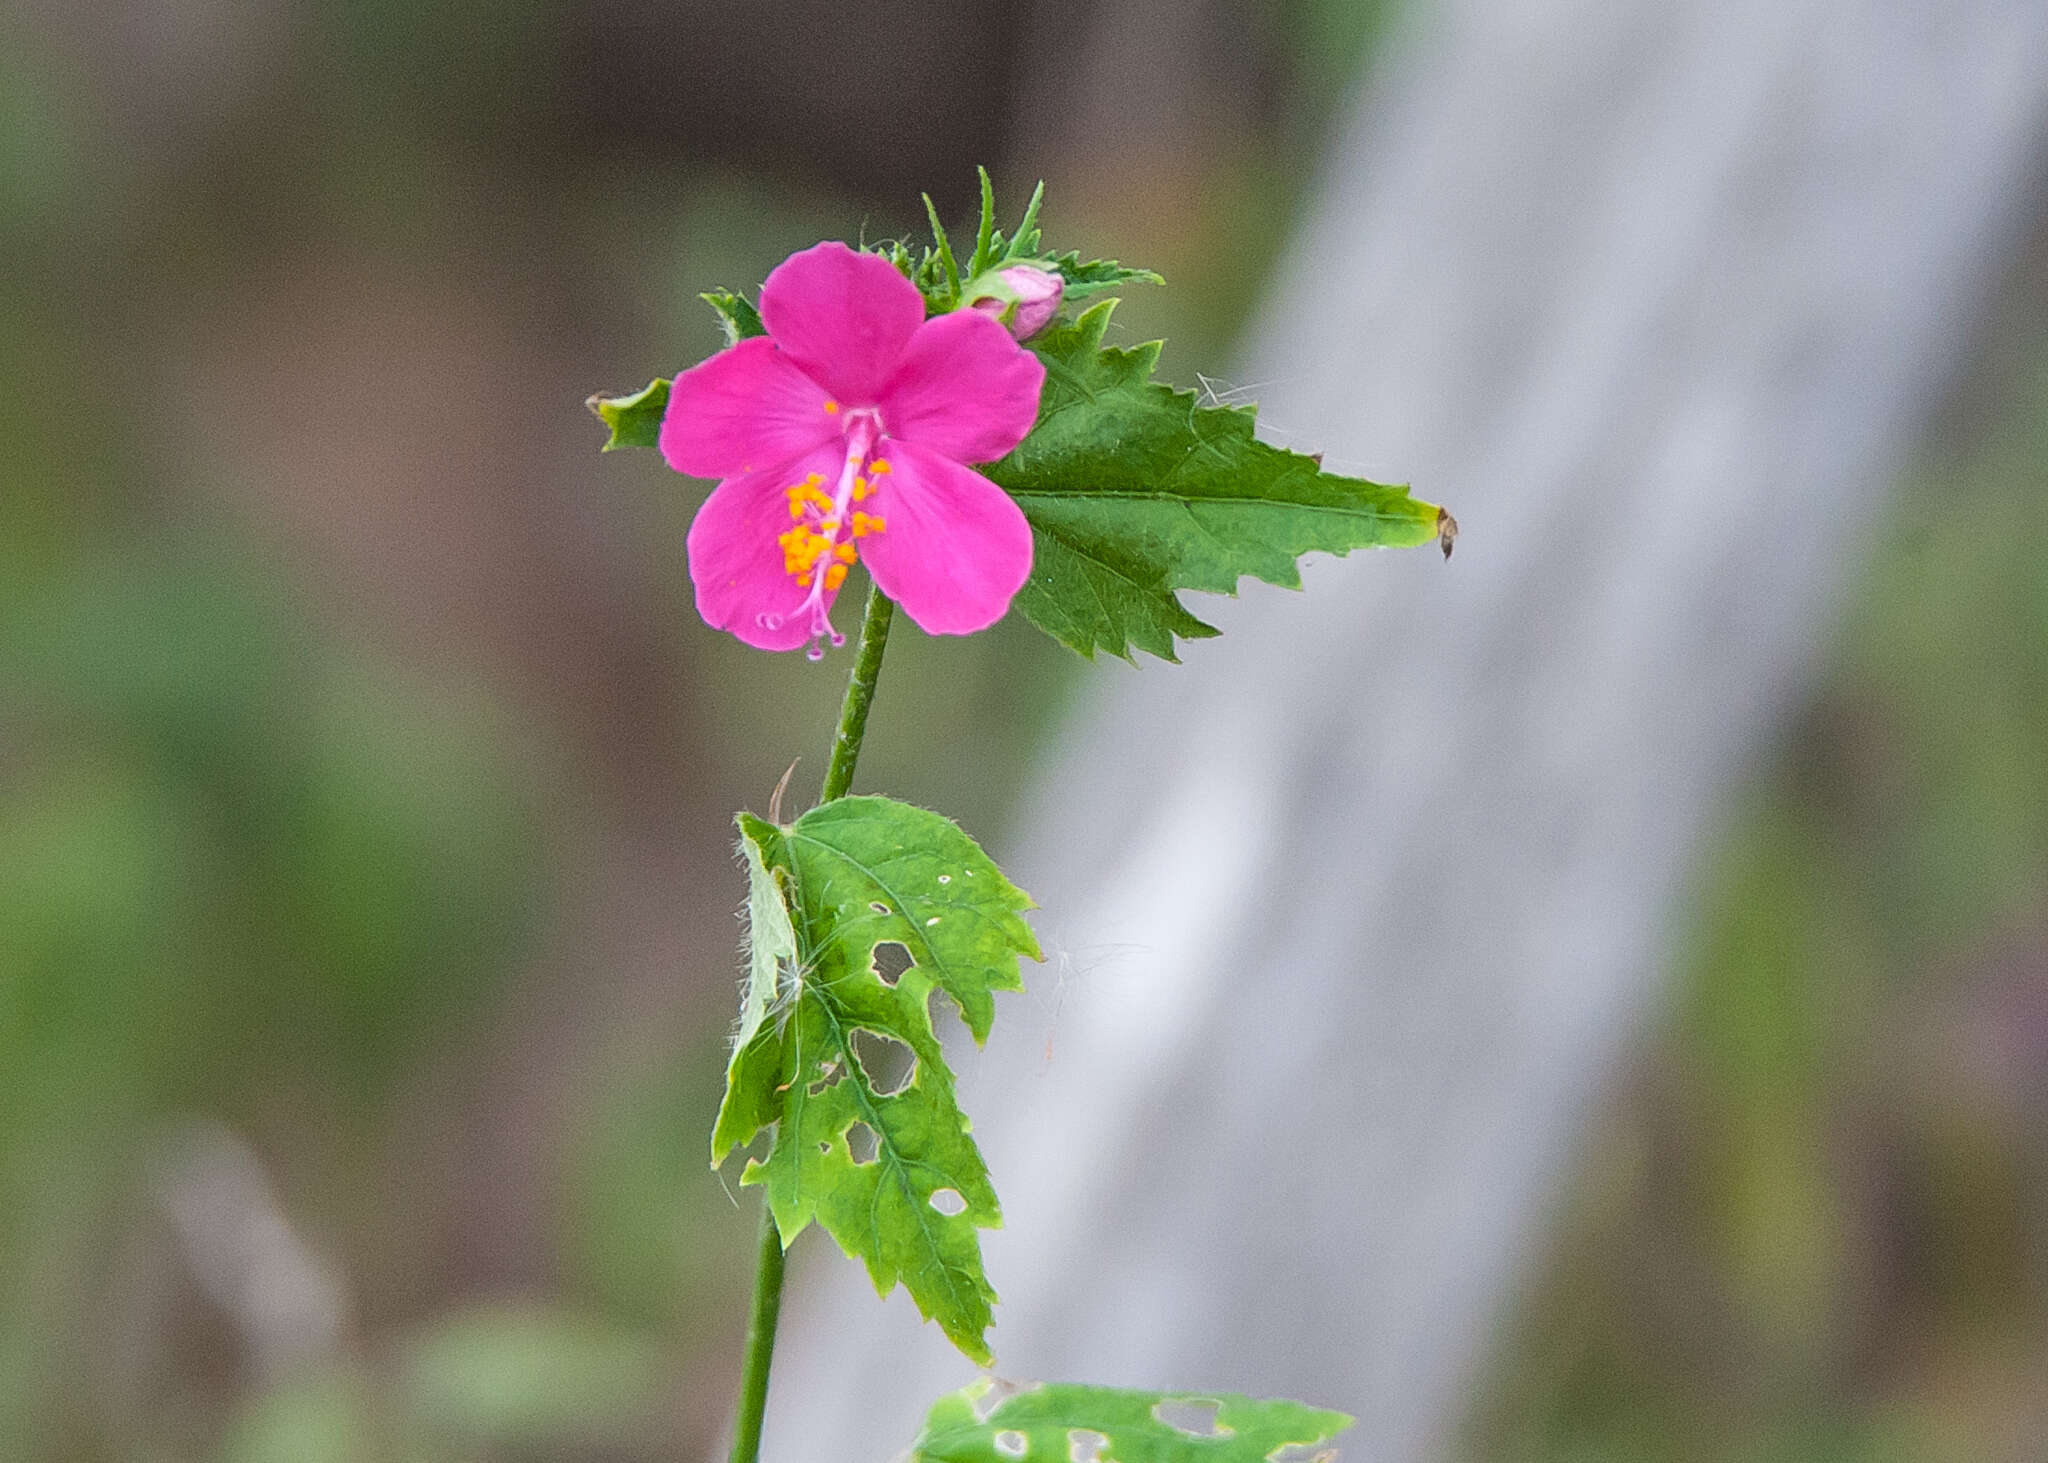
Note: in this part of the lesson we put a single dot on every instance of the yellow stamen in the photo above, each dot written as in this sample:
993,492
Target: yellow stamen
811,546
831,407
879,466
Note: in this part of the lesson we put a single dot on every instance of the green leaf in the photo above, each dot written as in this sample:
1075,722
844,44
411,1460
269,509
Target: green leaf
940,278
985,232
1026,242
1135,491
771,948
635,420
739,317
825,892
1058,1422
1094,276
945,254
1079,278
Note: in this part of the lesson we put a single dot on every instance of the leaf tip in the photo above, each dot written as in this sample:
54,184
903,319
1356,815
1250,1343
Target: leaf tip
1092,322
634,419
605,409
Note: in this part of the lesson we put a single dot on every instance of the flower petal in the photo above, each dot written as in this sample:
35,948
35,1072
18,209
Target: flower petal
843,317
736,560
750,406
956,548
964,388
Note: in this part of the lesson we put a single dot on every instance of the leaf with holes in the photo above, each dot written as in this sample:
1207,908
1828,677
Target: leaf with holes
858,912
1067,1422
1135,491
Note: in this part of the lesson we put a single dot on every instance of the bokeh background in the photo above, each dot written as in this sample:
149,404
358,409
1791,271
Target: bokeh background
366,892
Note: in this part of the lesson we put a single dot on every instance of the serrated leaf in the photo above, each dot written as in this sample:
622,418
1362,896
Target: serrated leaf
945,255
985,227
635,421
824,892
1060,1422
736,313
1026,241
1093,276
1136,491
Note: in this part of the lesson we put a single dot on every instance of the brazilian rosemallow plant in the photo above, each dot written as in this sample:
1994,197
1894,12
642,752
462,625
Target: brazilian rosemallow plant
963,433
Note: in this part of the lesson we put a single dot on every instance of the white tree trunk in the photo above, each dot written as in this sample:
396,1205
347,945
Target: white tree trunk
1354,912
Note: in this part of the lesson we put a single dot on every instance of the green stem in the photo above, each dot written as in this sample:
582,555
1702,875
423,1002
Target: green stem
860,694
746,1438
853,726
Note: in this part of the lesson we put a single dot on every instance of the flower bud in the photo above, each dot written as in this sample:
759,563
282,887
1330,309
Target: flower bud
1022,296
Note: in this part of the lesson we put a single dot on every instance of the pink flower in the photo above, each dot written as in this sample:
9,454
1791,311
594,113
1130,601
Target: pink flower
1022,296
843,435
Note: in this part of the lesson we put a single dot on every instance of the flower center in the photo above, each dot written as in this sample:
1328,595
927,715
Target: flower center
821,543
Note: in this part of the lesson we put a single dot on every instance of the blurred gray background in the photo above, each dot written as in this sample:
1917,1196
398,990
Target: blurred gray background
1649,1066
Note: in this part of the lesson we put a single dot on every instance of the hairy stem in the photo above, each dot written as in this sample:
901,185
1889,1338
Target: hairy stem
860,694
853,726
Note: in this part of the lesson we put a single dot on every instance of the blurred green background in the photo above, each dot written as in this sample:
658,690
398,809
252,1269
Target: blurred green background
366,898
